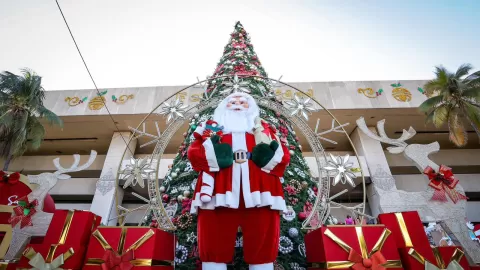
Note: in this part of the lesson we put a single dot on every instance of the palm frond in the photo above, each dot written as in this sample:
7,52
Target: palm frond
440,115
50,116
471,93
473,115
463,70
457,134
430,103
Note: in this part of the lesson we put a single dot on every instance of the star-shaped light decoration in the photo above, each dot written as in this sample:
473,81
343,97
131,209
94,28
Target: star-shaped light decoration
342,169
136,171
174,110
301,106
235,85
191,237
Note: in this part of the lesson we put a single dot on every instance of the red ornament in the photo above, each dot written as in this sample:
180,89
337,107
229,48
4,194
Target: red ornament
154,224
118,262
290,190
292,147
315,190
186,205
239,45
165,198
444,183
185,134
302,216
11,179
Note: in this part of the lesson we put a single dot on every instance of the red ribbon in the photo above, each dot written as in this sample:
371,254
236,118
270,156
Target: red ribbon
113,261
23,212
444,183
375,262
11,179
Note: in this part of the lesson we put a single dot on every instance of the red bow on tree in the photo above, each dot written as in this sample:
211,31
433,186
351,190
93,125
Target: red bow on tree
375,262
11,179
113,261
444,183
23,212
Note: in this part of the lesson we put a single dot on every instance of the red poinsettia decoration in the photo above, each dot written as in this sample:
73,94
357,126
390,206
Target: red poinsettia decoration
186,205
10,179
444,183
292,191
239,45
23,212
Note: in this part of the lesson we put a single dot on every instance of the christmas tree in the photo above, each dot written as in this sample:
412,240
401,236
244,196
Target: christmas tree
240,62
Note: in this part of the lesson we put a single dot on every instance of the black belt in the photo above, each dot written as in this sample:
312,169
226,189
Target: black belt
240,156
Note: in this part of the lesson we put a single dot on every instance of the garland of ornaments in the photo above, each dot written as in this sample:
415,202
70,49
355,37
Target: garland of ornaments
286,245
181,254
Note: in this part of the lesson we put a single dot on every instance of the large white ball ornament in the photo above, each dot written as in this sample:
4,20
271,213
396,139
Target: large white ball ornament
291,152
180,198
162,189
186,193
174,174
293,232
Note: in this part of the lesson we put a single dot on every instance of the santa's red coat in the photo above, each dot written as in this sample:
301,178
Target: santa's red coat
258,186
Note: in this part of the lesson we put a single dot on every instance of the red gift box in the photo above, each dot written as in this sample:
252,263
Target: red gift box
357,247
451,258
408,232
5,238
128,247
69,232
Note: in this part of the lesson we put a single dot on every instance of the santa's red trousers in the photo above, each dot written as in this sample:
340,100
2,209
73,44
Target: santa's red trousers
217,232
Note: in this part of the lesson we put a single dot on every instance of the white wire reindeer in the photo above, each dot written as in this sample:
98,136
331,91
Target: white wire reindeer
393,200
41,220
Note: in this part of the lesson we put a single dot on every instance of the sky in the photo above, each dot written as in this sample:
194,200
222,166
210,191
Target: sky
152,43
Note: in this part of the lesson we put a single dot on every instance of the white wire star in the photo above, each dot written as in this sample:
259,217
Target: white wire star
174,110
191,237
235,85
136,171
301,106
342,170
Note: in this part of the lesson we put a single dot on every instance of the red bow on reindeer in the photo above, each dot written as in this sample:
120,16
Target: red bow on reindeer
444,183
375,262
23,212
112,261
11,179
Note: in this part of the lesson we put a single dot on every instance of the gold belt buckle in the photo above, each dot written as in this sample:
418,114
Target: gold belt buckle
240,156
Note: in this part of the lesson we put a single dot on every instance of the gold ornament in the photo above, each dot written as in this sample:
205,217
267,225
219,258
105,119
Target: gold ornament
400,93
368,92
123,98
96,103
74,101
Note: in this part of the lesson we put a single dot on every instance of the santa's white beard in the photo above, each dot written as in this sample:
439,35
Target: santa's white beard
237,121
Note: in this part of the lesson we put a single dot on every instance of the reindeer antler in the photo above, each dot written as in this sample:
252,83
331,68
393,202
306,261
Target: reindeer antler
74,168
382,137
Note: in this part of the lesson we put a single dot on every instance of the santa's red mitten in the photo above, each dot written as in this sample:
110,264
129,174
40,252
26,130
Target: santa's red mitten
206,191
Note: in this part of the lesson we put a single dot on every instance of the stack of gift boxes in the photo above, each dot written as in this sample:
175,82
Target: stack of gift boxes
75,240
399,241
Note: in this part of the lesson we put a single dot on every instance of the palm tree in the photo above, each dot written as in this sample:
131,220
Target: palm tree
454,99
21,107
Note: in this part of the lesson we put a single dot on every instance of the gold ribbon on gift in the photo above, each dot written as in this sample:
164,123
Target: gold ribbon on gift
363,250
121,249
403,230
38,262
453,265
7,238
63,236
3,265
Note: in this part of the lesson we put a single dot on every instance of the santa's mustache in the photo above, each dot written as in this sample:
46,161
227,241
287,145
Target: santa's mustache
237,108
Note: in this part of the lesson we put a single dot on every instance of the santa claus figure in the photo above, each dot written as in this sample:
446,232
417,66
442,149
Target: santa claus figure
238,186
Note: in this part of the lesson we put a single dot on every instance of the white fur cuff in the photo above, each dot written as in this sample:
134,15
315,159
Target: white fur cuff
210,154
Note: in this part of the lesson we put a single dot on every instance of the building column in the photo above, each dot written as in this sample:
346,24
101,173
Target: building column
104,202
380,174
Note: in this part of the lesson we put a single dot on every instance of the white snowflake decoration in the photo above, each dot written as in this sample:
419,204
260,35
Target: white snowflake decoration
181,254
342,170
136,171
174,110
300,106
296,266
235,85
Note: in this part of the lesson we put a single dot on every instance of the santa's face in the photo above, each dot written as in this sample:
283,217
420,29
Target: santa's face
237,103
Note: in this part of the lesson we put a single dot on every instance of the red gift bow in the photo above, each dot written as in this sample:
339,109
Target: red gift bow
374,262
119,262
444,182
23,212
11,179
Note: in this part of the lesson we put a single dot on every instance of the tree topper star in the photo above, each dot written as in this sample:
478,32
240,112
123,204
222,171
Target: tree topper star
342,170
136,171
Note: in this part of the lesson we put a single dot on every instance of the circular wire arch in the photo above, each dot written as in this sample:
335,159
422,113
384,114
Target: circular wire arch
321,205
